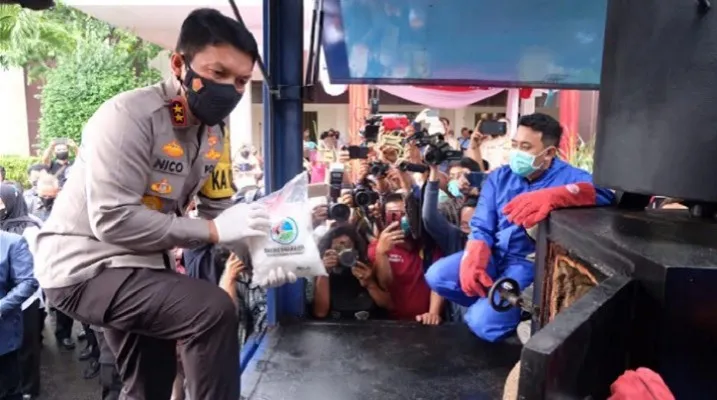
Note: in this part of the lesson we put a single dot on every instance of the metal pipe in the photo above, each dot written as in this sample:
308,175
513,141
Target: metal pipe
283,114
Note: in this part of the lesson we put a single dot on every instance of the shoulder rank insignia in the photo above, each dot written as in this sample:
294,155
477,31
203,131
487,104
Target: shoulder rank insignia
162,187
179,113
173,149
212,154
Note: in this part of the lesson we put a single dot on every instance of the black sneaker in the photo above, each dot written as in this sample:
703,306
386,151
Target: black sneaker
86,353
92,370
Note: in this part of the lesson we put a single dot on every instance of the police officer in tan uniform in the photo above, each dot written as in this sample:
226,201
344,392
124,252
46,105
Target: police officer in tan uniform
104,254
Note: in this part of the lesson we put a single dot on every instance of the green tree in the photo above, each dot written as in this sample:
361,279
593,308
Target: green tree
35,39
96,71
32,39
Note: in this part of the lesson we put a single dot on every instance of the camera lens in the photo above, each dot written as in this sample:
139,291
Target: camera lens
340,212
348,258
432,156
361,198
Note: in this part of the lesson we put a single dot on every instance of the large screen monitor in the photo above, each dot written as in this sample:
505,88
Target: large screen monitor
499,43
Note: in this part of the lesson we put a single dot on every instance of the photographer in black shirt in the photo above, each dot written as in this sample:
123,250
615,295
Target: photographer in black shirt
351,290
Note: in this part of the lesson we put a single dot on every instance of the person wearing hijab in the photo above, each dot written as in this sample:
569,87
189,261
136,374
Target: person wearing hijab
14,218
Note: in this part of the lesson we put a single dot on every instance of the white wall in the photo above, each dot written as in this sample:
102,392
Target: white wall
13,113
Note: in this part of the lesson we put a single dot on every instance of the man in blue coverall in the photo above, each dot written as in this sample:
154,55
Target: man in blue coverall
514,197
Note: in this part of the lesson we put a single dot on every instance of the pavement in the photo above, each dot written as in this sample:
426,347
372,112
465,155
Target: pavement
61,372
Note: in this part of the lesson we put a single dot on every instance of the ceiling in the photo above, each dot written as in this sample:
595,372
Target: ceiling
158,21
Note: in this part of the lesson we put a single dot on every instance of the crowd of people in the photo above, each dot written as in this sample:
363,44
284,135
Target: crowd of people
416,227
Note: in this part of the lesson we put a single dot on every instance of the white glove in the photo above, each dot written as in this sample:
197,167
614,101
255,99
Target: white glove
278,277
241,221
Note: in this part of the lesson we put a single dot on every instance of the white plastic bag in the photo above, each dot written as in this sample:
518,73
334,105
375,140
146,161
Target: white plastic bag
290,245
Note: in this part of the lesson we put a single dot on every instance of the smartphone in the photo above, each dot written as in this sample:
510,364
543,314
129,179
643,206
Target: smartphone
358,152
493,128
476,178
393,216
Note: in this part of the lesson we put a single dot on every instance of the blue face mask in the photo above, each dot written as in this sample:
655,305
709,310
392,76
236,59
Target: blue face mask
454,189
522,163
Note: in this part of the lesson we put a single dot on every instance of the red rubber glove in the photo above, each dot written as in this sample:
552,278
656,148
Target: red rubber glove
643,384
527,209
475,281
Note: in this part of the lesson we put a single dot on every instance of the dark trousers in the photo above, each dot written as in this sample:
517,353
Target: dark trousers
10,376
92,342
63,325
145,313
29,354
109,377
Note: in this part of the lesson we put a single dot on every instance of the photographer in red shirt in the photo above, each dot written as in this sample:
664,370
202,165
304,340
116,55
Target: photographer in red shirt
399,268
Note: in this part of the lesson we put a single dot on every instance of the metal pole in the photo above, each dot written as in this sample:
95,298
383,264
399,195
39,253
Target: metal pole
283,113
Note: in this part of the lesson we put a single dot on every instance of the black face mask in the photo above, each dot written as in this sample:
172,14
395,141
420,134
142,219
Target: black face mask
62,155
213,101
47,202
245,154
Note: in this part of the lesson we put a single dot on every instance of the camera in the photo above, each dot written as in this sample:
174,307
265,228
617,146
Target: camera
364,196
337,211
406,166
378,169
439,151
348,258
371,128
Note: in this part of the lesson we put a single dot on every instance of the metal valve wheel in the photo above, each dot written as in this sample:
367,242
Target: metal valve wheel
502,291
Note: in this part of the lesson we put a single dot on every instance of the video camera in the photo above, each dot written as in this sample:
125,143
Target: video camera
378,169
337,211
371,128
389,122
364,196
438,149
406,166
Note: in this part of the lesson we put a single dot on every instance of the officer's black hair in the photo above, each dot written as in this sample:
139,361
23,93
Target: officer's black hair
545,124
37,167
208,27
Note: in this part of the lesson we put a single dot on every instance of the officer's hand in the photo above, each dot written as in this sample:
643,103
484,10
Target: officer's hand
240,221
278,277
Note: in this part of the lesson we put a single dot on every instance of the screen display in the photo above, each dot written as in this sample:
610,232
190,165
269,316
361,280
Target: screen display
506,43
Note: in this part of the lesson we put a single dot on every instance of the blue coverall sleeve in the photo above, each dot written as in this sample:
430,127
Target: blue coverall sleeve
22,280
443,232
603,197
485,219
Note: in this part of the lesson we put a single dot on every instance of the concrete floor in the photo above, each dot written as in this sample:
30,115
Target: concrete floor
62,373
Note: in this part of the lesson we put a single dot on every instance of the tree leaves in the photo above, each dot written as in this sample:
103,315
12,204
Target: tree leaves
81,82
